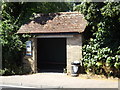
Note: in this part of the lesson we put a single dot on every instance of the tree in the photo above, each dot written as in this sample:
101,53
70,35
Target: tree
14,15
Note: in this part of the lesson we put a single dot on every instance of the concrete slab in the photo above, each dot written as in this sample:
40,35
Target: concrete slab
56,80
101,89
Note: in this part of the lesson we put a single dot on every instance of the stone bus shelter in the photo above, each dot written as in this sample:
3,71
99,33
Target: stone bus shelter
56,43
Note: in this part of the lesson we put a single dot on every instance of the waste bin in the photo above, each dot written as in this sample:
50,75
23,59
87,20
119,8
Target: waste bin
75,68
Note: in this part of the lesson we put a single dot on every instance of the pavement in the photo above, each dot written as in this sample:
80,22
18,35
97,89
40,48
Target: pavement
55,80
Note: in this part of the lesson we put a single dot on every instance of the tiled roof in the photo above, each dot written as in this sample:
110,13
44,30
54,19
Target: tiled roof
55,23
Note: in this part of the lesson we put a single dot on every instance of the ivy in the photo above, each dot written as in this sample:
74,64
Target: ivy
101,49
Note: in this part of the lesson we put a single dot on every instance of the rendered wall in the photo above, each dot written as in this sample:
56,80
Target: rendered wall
74,50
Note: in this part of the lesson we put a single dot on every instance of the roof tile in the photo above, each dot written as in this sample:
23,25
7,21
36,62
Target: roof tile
55,23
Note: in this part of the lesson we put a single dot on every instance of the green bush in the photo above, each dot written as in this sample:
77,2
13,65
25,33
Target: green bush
101,47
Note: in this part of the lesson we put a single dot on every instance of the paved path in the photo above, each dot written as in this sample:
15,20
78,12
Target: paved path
56,80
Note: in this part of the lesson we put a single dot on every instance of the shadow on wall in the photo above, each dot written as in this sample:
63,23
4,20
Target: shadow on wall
27,65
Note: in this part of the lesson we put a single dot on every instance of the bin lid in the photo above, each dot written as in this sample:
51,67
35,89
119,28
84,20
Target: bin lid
75,62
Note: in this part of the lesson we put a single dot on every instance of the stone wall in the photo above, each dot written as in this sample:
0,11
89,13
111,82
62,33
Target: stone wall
74,50
30,62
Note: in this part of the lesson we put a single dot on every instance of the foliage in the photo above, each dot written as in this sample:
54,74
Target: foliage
14,15
2,72
102,47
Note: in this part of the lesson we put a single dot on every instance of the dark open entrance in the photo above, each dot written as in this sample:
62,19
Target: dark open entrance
51,54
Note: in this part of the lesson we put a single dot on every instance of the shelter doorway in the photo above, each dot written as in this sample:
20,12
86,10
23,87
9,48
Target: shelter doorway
51,54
